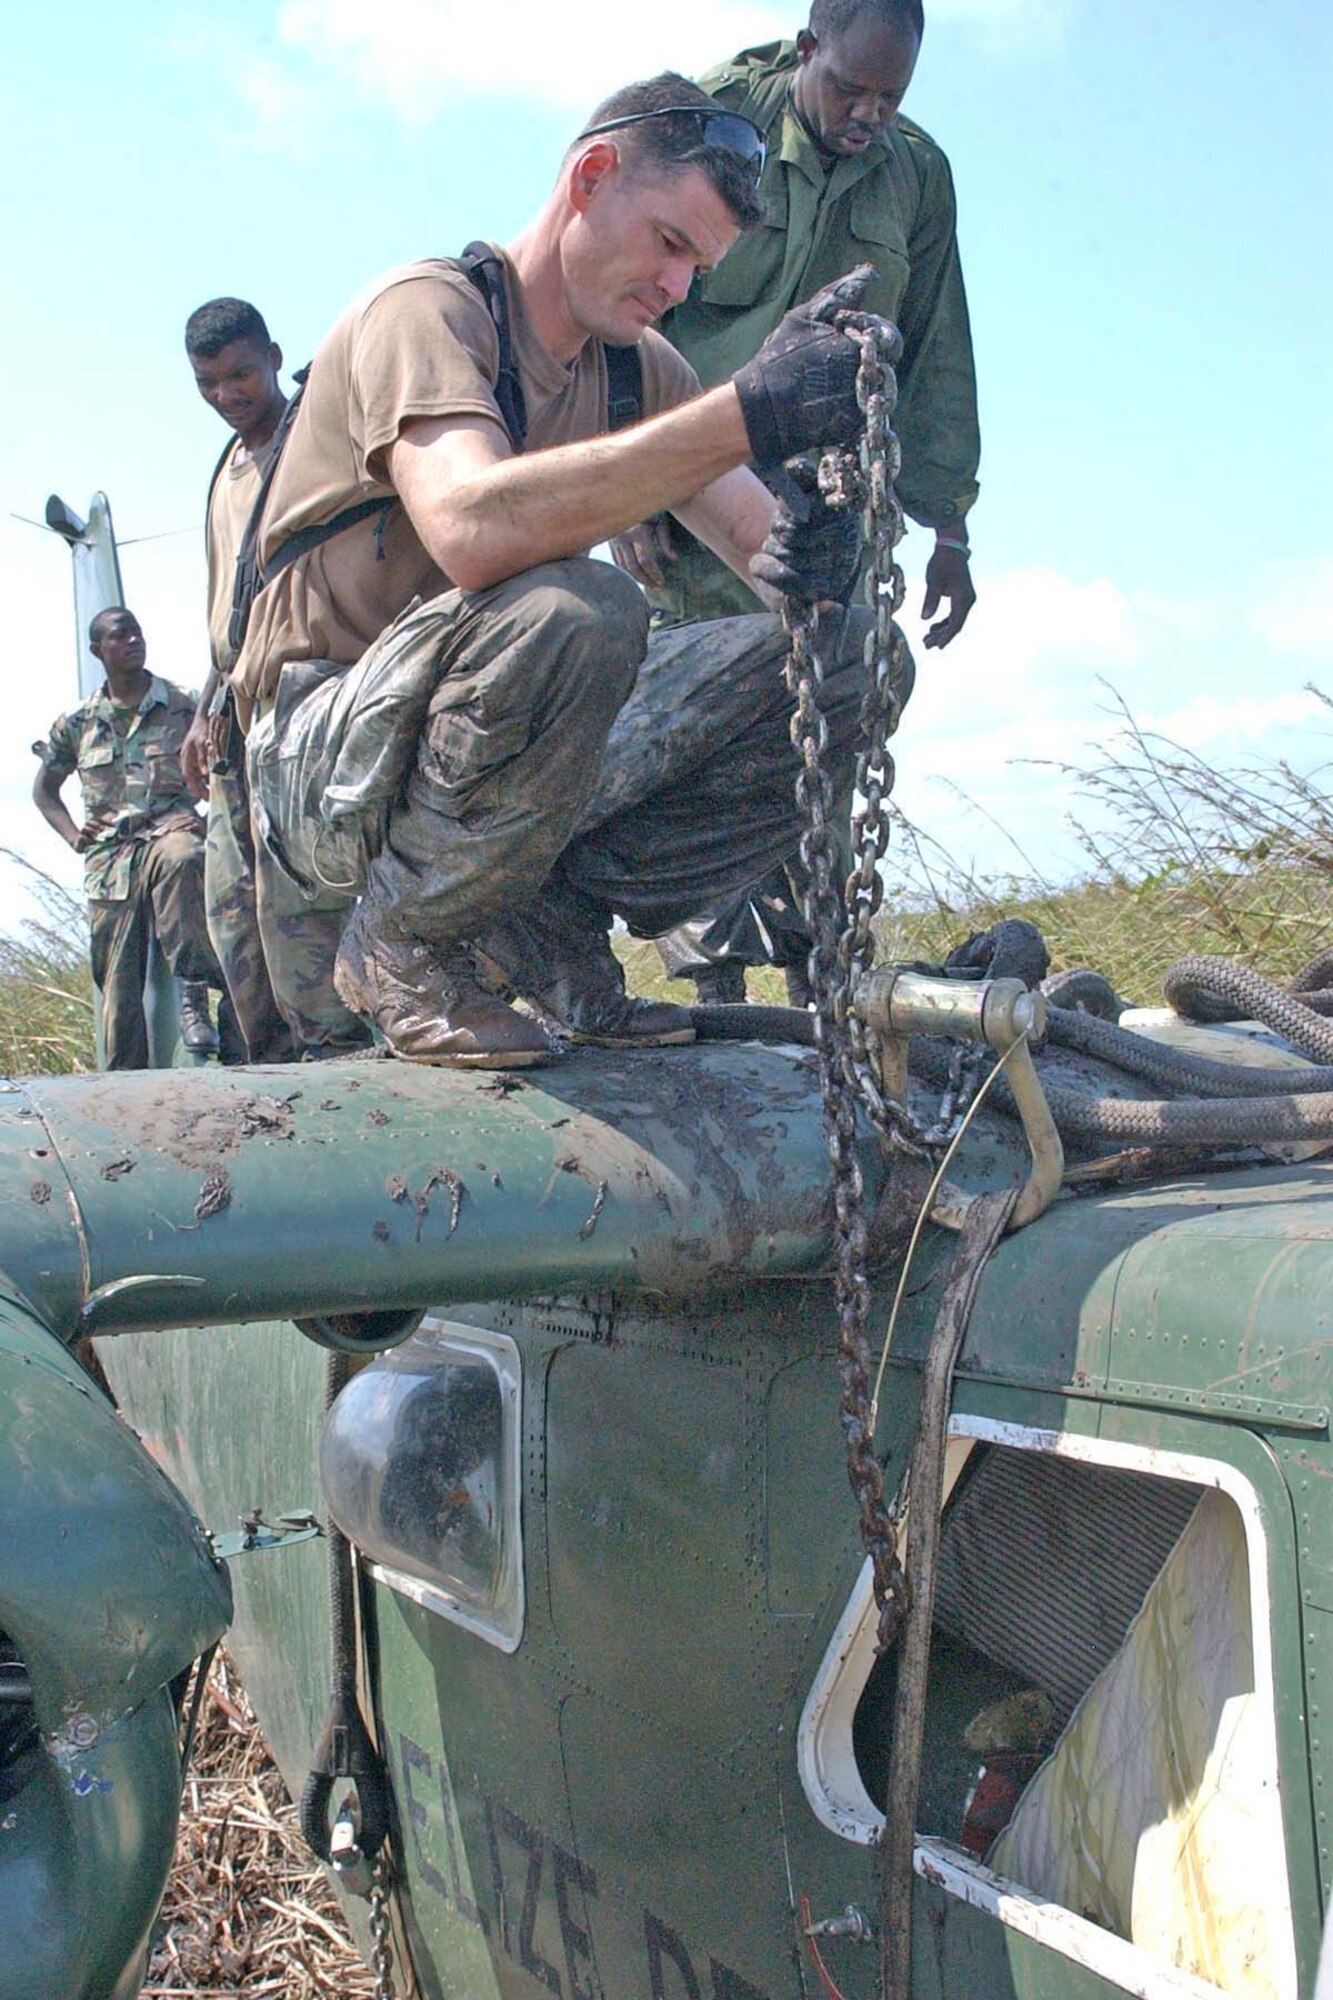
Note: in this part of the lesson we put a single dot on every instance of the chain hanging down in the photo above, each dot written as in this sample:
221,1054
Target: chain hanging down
381,1956
840,920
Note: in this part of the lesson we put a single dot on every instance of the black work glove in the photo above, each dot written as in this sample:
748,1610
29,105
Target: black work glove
812,551
799,392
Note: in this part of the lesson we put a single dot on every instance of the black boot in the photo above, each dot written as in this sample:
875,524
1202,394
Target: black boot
800,993
197,1032
231,1041
721,984
558,955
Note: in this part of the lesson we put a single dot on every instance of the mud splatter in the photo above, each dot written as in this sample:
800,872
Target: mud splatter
214,1195
443,1177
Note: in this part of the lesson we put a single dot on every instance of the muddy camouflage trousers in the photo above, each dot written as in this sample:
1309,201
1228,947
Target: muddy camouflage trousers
166,898
565,754
229,895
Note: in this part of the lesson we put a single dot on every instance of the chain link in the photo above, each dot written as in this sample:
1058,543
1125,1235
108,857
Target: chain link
381,1954
840,919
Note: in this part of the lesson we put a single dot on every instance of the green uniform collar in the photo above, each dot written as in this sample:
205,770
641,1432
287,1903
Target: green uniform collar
768,73
103,706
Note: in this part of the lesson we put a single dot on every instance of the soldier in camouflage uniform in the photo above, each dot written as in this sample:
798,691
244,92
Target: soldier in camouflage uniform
235,366
847,179
141,839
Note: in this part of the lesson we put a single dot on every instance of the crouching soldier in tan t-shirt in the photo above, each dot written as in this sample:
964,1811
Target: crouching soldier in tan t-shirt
518,763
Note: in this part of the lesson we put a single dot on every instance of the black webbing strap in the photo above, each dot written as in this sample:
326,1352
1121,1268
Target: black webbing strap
480,264
624,386
247,581
624,369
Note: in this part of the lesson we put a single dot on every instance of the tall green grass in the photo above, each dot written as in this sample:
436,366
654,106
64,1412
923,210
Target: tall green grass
46,988
1180,855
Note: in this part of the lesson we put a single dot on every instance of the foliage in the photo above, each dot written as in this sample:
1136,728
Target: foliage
46,993
1182,856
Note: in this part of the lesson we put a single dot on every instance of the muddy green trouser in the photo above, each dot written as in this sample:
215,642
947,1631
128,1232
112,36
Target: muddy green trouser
550,755
531,675
229,895
167,898
763,924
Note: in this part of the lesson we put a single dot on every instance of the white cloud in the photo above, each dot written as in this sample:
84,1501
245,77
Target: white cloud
285,109
1030,693
419,56
1295,612
1209,720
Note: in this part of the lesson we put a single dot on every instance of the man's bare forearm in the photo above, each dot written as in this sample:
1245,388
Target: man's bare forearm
509,514
46,797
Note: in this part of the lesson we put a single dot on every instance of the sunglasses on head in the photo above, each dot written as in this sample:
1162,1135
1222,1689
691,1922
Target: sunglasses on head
726,129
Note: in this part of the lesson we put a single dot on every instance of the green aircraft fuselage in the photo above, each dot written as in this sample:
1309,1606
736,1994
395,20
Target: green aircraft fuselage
618,1643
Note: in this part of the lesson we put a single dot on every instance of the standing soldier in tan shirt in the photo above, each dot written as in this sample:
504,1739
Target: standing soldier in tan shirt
235,367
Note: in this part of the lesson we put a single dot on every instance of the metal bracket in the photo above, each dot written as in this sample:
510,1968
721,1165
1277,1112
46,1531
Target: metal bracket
255,1533
1003,1014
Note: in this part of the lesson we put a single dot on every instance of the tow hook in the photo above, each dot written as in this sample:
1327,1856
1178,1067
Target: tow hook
352,1867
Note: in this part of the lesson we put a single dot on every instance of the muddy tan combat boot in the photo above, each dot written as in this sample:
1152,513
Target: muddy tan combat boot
567,968
428,1004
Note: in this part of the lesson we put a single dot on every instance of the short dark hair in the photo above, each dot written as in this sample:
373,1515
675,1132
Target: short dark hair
670,145
100,620
830,18
214,326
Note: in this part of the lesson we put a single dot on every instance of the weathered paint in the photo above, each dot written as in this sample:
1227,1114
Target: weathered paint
172,1197
617,1807
108,1590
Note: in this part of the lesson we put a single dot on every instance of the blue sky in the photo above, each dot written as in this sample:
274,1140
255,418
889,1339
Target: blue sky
1144,196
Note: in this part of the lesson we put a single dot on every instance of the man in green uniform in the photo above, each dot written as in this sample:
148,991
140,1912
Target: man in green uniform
235,366
141,839
847,180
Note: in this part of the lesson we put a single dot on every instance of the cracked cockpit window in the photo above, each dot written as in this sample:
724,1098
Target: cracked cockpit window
419,1462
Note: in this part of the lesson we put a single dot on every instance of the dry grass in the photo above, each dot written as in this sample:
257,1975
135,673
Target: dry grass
46,988
248,1914
1181,856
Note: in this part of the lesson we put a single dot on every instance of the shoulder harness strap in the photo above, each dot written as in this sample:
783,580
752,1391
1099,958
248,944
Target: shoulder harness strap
483,268
624,369
624,386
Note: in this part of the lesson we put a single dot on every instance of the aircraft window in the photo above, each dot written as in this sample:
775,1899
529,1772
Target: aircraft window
1099,1728
420,1465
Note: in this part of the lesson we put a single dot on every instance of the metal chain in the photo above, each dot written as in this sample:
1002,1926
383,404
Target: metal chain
381,1955
840,920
